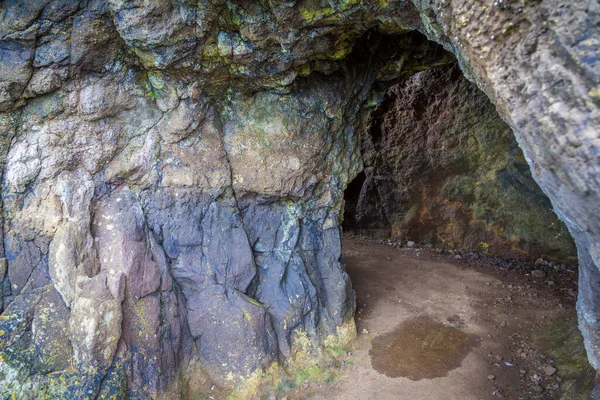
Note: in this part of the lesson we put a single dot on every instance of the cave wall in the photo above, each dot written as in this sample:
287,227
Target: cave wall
442,168
173,171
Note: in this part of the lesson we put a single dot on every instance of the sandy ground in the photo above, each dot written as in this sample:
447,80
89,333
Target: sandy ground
497,309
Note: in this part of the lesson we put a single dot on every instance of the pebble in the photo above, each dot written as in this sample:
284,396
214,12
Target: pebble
410,244
538,388
549,370
366,332
491,377
536,273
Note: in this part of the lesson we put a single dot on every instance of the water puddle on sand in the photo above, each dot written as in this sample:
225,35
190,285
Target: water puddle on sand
419,348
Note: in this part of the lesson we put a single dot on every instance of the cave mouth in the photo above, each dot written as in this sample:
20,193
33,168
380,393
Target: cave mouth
217,138
442,169
444,221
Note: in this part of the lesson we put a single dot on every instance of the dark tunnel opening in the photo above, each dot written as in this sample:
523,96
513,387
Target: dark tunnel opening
352,199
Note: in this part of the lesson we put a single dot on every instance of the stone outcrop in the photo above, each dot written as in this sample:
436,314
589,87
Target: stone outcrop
442,168
173,171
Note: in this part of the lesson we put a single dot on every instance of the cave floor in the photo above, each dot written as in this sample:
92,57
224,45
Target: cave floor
436,326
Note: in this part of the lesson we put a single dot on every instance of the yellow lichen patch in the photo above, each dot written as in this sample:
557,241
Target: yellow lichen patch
247,315
310,15
252,301
594,93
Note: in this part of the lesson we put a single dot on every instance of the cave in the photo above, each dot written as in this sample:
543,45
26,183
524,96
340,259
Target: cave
175,172
445,193
442,169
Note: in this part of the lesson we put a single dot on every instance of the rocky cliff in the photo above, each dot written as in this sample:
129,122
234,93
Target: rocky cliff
173,171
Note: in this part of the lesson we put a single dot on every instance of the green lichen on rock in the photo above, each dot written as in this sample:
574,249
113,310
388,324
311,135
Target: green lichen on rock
562,341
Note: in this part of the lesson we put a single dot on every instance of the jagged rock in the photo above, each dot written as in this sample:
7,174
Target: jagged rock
217,138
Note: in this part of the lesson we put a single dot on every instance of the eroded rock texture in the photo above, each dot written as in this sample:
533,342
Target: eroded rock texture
442,168
174,171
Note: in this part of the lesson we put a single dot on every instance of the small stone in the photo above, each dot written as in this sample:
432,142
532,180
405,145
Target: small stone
538,388
411,244
539,261
458,257
536,273
499,357
549,370
365,332
491,377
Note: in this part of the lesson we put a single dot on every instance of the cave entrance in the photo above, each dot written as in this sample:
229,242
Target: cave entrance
455,253
442,169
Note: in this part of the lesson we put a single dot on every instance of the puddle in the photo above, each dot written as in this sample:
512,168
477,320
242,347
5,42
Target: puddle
419,348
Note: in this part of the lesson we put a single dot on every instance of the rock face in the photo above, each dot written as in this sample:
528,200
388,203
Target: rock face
173,171
442,168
